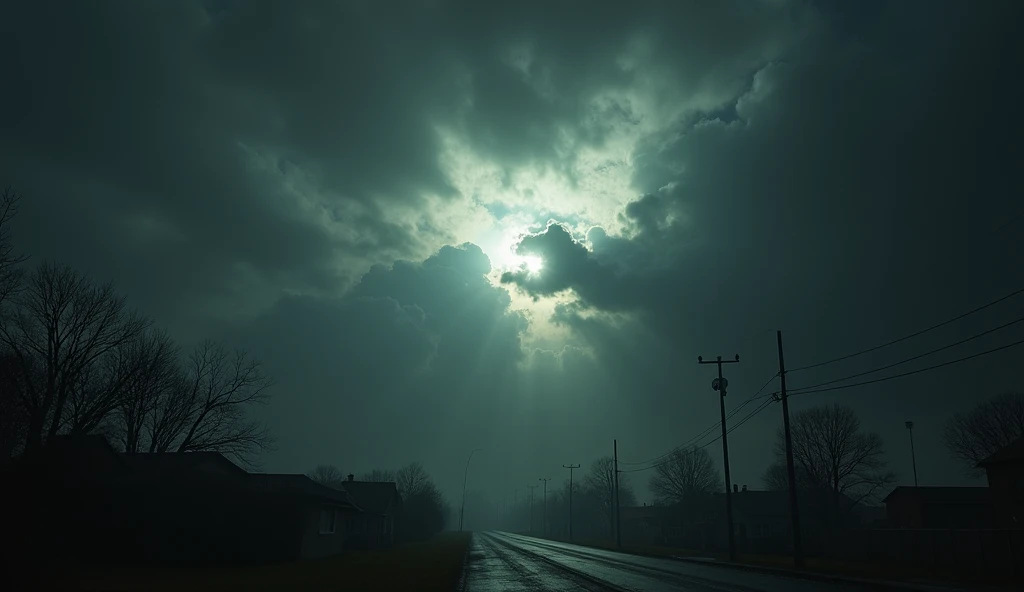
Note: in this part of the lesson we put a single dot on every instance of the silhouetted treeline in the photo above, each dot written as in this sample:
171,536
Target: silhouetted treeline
76,359
424,511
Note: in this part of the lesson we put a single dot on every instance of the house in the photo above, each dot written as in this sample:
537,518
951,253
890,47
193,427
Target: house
1005,471
310,515
938,507
78,497
380,503
641,525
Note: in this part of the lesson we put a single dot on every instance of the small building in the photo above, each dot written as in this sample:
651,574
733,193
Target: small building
938,507
311,516
642,525
79,498
1005,471
375,525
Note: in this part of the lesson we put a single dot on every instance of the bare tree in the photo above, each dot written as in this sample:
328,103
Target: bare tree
600,483
328,475
686,473
411,479
13,419
63,330
833,453
208,408
10,272
153,361
380,476
988,426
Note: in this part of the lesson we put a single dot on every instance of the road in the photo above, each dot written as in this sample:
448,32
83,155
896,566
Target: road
503,562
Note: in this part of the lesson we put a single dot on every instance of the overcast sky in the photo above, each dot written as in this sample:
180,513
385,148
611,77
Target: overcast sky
341,188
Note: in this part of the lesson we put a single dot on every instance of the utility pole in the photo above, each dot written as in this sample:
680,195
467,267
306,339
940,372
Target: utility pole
515,510
531,488
570,467
913,455
545,480
465,476
720,384
794,507
618,516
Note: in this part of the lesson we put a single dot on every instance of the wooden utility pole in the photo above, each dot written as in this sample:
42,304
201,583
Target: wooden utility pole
913,455
570,467
618,515
531,488
545,480
794,507
720,384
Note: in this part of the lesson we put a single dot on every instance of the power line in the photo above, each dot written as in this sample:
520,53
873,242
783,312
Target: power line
706,431
918,371
764,405
912,335
901,362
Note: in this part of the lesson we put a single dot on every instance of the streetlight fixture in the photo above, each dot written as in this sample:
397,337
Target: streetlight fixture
465,476
913,455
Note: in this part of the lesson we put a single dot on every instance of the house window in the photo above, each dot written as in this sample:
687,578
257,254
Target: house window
328,520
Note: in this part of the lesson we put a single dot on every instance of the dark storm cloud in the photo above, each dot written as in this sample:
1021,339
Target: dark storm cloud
837,172
854,197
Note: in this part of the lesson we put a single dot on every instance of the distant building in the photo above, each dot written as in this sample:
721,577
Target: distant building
78,497
380,502
938,507
1005,470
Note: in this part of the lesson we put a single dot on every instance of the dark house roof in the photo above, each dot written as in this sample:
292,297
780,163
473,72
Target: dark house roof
80,457
1011,453
181,463
300,485
373,496
943,495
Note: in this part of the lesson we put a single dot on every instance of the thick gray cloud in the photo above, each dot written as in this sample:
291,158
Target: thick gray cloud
286,177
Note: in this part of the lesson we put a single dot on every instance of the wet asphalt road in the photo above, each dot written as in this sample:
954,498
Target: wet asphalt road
502,562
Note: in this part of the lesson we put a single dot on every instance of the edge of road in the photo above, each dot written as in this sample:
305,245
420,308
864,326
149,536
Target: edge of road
460,585
874,584
881,585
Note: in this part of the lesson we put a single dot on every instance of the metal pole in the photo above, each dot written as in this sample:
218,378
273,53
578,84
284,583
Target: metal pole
545,480
720,385
465,476
794,507
570,467
618,514
531,488
913,455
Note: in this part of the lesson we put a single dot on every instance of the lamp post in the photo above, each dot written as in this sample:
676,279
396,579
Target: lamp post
913,455
465,476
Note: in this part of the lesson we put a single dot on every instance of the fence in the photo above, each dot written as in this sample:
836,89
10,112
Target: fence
990,549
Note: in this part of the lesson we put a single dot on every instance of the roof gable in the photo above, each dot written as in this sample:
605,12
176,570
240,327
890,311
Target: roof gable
183,463
299,485
939,494
1012,452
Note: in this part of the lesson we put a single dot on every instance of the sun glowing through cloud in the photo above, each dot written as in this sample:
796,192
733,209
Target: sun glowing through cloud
533,264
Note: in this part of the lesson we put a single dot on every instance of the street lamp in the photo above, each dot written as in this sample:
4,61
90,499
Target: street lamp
913,455
462,512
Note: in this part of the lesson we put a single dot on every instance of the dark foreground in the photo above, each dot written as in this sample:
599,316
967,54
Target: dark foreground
431,566
502,562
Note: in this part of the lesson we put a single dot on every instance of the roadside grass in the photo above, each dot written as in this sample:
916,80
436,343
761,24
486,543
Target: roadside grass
429,566
833,567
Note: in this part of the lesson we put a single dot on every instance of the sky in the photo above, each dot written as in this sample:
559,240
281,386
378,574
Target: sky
447,225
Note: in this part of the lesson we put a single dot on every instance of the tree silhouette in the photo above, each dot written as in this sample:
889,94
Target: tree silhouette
832,452
380,476
68,337
328,475
990,425
686,473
